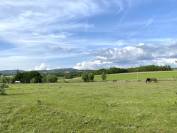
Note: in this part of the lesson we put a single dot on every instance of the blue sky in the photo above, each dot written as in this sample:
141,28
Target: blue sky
87,34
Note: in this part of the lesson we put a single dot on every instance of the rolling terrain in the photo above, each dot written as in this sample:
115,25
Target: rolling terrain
161,75
125,106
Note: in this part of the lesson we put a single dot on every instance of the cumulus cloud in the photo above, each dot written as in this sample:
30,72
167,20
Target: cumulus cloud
66,32
94,64
131,56
42,66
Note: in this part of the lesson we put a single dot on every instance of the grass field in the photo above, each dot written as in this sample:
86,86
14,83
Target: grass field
160,75
141,76
99,107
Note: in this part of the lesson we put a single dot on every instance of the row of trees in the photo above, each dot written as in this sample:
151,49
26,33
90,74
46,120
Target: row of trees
89,77
135,69
36,77
113,70
150,68
29,77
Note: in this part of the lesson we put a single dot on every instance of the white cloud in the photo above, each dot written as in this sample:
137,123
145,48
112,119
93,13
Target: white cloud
42,66
49,30
131,56
36,27
91,65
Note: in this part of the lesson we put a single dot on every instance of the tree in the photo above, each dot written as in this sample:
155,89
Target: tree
28,77
68,75
51,78
88,77
91,77
103,76
85,77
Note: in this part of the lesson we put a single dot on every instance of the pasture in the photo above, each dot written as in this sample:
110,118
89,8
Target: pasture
97,107
161,75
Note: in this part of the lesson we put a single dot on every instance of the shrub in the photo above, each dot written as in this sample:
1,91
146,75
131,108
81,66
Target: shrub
88,77
103,76
85,77
51,78
6,79
3,89
91,77
68,75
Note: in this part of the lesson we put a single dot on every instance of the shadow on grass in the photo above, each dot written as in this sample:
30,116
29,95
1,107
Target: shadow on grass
16,94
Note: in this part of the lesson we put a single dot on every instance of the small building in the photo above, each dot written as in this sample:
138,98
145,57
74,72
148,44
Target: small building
17,82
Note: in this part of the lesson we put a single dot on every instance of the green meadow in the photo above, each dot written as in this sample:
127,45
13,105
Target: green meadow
97,107
161,75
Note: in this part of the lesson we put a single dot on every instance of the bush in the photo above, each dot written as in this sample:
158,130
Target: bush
6,79
88,77
103,76
68,75
28,77
91,77
3,89
85,77
51,78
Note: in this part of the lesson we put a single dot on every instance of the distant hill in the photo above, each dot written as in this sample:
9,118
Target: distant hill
10,72
75,72
63,70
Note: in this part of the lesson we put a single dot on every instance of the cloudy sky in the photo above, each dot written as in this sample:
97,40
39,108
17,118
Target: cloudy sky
87,34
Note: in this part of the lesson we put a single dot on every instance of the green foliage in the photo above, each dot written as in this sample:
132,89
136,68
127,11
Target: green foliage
103,76
52,78
28,77
91,77
88,77
115,70
6,79
150,68
3,88
68,75
85,77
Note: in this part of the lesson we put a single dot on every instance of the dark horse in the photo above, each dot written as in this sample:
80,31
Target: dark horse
149,80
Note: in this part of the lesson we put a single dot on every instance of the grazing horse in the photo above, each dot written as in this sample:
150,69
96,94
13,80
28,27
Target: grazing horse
149,80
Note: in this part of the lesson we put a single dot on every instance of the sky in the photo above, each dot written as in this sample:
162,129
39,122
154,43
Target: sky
87,34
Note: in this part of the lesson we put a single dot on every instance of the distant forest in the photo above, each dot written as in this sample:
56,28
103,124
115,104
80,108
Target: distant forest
114,70
134,69
71,73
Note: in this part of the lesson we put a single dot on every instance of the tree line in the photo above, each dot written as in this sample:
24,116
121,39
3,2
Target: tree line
114,70
87,75
29,77
148,68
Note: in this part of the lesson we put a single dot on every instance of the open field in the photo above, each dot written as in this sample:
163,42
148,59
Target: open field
162,75
90,107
